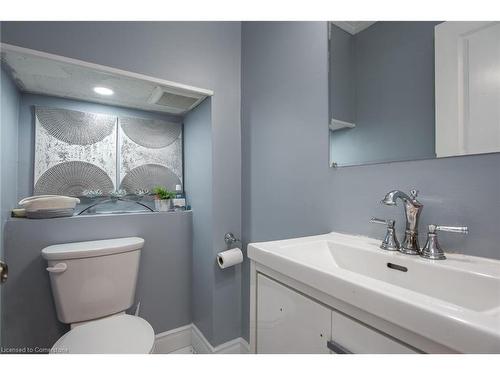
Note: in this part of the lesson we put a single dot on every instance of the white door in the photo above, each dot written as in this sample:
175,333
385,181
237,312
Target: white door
288,322
467,68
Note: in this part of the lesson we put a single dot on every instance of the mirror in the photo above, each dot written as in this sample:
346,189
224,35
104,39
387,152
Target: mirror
404,90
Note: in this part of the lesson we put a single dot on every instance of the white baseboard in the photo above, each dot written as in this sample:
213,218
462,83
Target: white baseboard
175,339
202,346
190,336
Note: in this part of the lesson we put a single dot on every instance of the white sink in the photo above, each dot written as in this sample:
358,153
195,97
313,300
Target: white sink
455,302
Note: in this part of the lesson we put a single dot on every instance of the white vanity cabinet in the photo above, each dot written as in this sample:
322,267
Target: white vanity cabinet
378,301
287,321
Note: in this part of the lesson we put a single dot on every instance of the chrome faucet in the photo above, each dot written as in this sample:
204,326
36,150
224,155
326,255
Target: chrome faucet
412,208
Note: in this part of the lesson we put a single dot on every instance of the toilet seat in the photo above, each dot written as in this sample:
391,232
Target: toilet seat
119,334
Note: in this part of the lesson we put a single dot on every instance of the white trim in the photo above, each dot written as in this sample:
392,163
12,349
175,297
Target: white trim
202,346
190,336
173,340
187,350
353,27
104,68
199,341
339,124
236,346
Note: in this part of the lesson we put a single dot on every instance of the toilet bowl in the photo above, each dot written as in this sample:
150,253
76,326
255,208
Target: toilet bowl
120,334
93,284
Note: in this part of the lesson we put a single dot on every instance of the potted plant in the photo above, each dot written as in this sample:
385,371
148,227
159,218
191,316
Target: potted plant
163,198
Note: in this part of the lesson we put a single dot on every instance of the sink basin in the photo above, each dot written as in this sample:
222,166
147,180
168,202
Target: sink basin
460,294
457,280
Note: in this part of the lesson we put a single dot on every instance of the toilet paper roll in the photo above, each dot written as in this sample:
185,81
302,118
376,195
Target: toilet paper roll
229,258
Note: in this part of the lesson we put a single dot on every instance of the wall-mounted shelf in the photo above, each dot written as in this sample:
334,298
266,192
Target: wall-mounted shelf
339,124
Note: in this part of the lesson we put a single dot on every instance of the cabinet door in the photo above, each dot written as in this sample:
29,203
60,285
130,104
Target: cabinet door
288,322
356,337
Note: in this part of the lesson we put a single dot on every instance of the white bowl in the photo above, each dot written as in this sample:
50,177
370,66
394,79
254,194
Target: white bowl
48,202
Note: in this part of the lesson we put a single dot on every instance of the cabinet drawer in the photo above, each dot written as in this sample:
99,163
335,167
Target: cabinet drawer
359,338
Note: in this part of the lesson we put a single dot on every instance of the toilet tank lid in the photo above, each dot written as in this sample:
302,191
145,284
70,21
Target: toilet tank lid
88,249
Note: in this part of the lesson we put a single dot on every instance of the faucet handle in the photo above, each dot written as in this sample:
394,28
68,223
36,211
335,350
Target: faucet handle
390,241
432,249
389,222
414,193
462,230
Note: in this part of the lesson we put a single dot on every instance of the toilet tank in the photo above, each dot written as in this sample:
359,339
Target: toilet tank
93,279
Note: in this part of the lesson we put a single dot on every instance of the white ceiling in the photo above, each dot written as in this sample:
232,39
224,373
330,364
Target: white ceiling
353,27
41,73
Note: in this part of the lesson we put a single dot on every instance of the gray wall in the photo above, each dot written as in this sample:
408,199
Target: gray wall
285,174
10,102
164,281
208,303
203,54
27,128
293,193
198,188
9,112
394,99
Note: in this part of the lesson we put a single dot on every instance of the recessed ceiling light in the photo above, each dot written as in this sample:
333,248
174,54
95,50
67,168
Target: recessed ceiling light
103,91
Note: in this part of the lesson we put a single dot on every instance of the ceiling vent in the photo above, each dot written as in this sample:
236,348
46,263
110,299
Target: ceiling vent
176,100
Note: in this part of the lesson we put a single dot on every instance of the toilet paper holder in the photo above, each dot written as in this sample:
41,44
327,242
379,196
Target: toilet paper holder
230,239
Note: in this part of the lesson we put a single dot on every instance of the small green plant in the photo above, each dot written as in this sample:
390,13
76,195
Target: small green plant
162,193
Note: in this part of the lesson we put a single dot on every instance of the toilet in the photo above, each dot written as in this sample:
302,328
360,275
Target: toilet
93,283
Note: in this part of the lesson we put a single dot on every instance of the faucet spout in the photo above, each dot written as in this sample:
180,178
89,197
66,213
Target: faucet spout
392,196
412,209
